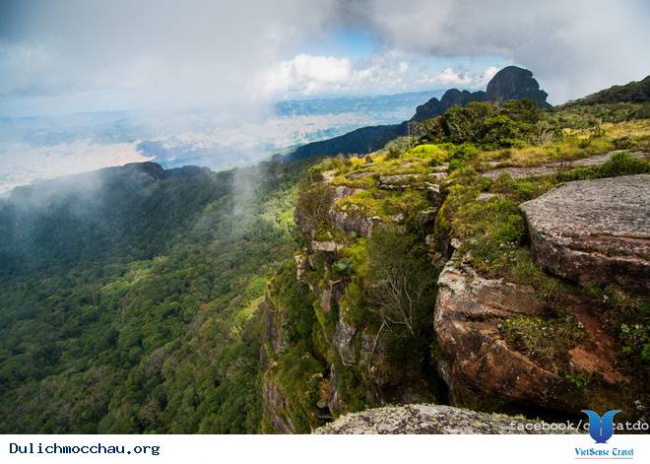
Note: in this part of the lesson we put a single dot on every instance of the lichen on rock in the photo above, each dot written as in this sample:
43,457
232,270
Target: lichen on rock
595,232
432,419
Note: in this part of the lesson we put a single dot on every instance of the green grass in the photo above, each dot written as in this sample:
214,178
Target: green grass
383,204
545,339
620,164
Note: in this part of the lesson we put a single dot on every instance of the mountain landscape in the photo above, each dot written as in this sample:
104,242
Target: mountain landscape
488,256
511,83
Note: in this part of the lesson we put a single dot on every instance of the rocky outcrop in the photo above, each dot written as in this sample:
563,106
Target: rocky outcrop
452,97
514,83
348,218
397,181
328,246
469,311
432,419
553,168
595,232
481,360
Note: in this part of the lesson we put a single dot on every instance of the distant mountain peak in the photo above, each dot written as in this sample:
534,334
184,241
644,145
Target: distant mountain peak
515,83
510,83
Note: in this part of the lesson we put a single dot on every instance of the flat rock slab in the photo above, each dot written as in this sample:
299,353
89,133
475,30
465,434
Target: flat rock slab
553,168
429,419
595,232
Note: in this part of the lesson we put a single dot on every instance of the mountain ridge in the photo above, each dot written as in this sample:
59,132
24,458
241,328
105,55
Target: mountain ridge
510,83
632,92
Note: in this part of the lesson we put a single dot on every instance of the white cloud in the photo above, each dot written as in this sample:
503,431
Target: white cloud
149,53
448,77
388,72
573,47
487,75
170,53
306,74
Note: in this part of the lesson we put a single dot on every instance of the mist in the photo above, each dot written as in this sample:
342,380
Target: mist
74,55
209,72
152,54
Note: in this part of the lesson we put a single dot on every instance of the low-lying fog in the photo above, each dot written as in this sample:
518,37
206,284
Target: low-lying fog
45,147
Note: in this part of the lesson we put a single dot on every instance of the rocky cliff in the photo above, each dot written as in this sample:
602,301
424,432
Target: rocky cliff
553,340
594,232
422,281
356,360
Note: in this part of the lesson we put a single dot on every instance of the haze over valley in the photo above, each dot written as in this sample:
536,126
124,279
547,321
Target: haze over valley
42,147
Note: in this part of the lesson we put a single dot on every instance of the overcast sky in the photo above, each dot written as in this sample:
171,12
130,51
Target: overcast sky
89,55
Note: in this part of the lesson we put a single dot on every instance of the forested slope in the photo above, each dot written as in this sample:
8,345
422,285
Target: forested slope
128,298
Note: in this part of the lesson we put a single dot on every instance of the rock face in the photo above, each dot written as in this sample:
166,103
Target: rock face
481,361
347,219
398,181
514,83
594,232
469,310
275,404
352,358
427,419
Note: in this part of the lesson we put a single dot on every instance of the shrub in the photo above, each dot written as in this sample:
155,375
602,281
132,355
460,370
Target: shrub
462,155
623,163
636,340
401,276
394,152
543,338
463,123
619,164
343,267
580,380
502,132
355,309
312,208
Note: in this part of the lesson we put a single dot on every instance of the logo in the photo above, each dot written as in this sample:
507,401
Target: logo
601,429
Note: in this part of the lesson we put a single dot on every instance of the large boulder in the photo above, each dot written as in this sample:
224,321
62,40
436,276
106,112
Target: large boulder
433,419
493,338
469,311
349,219
595,232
